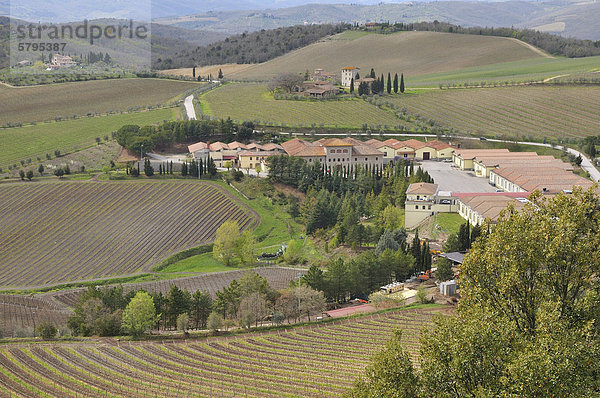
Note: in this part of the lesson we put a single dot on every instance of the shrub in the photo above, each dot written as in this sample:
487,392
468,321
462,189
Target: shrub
47,331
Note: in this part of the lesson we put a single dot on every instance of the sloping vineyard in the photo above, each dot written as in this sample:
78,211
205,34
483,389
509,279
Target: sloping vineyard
58,232
530,111
317,361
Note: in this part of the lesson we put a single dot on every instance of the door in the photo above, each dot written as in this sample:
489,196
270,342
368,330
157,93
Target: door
426,155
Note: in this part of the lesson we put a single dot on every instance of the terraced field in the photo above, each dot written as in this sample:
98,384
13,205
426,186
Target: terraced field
244,102
317,361
18,312
535,111
57,232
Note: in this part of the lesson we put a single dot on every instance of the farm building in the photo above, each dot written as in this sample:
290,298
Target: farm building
62,61
348,74
412,149
320,75
463,158
335,152
547,179
424,200
478,207
222,153
317,89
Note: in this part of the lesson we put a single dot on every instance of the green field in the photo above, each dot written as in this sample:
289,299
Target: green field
30,142
46,102
516,71
520,111
276,227
411,53
244,102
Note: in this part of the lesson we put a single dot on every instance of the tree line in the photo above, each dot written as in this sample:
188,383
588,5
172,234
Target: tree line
249,48
136,138
246,302
379,86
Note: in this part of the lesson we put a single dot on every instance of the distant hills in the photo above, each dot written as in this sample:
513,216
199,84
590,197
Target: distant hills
568,18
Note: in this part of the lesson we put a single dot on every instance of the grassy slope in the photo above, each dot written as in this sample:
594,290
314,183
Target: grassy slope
522,70
523,111
40,103
271,233
32,141
253,102
412,53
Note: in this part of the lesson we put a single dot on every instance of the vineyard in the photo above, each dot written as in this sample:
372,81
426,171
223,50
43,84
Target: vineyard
57,232
315,361
32,104
30,142
522,112
22,313
253,102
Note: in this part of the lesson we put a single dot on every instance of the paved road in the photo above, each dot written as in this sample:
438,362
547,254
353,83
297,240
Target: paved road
189,107
454,180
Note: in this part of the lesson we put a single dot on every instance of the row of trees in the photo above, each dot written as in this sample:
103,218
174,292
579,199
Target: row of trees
379,86
146,138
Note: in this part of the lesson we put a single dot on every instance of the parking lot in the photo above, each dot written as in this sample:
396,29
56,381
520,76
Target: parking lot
455,180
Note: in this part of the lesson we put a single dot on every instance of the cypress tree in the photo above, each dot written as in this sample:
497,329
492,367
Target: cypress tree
402,83
201,168
194,71
352,86
184,169
389,84
372,75
220,74
382,84
396,83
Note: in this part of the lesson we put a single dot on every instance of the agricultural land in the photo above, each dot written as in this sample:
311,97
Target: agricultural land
59,232
315,361
23,313
29,142
253,102
49,102
412,53
553,111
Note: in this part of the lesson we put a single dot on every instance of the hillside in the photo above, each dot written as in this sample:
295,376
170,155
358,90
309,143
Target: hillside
59,232
317,361
577,19
30,104
411,53
521,112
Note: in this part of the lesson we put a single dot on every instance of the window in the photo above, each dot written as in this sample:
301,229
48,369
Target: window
339,151
329,160
310,160
345,151
429,207
356,159
366,160
250,157
417,207
385,154
406,155
376,158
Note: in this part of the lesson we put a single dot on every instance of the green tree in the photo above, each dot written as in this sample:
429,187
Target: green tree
139,315
391,374
392,218
352,86
220,74
402,83
47,331
214,322
226,240
148,169
389,83
386,241
59,172
41,169
244,248
444,270
183,322
201,308
396,83
22,175
29,174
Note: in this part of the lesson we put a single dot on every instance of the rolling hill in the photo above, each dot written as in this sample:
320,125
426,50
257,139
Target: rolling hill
411,53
